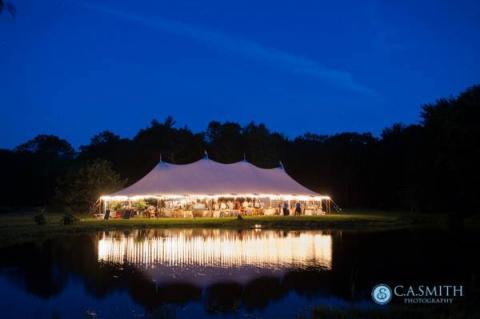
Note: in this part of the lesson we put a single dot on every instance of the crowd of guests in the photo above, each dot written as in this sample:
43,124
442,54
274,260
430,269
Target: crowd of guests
214,207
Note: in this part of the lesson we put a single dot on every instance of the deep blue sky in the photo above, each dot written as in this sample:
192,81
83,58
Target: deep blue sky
74,68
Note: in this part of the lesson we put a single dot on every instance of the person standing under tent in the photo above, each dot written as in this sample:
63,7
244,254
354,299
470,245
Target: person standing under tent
286,209
298,208
107,214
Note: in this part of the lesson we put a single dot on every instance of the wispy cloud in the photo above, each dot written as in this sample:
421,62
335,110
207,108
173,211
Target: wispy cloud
274,57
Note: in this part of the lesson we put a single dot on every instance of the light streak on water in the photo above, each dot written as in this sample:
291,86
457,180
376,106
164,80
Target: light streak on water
217,248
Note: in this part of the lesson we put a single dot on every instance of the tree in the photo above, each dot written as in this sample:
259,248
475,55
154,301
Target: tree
340,165
48,146
175,145
402,167
38,163
7,6
262,147
228,142
225,141
79,189
112,148
453,135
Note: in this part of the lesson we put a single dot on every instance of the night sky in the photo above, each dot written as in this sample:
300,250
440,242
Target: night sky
74,68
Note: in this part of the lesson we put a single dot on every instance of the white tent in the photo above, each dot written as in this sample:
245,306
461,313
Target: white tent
207,178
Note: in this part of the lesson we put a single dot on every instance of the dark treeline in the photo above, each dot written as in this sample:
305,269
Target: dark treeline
432,166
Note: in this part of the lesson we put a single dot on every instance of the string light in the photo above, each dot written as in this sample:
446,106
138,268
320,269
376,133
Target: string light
217,196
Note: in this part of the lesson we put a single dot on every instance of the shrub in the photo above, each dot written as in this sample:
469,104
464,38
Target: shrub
140,205
115,206
69,219
81,187
40,219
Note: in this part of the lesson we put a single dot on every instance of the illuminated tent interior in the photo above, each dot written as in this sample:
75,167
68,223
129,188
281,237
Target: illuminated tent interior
209,188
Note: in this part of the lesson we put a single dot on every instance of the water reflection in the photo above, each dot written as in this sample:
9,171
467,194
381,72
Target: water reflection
216,248
197,273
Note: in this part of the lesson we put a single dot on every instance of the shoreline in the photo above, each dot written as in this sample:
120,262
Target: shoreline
19,227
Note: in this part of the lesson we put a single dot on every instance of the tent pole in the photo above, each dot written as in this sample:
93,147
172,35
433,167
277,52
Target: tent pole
235,203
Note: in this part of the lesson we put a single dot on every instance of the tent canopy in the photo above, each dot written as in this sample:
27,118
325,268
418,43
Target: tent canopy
209,178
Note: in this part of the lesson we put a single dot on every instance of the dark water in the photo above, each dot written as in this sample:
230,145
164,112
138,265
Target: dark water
219,273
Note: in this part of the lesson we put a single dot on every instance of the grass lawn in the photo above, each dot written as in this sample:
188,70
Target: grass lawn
19,226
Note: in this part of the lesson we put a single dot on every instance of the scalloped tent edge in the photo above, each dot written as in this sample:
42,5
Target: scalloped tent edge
206,178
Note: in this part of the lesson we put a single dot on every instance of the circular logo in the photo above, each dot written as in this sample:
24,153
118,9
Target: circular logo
382,294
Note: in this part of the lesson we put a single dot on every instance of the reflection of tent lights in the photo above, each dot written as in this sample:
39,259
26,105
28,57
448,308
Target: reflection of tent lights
267,249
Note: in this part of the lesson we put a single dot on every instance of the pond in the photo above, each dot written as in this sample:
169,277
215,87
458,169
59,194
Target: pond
212,273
